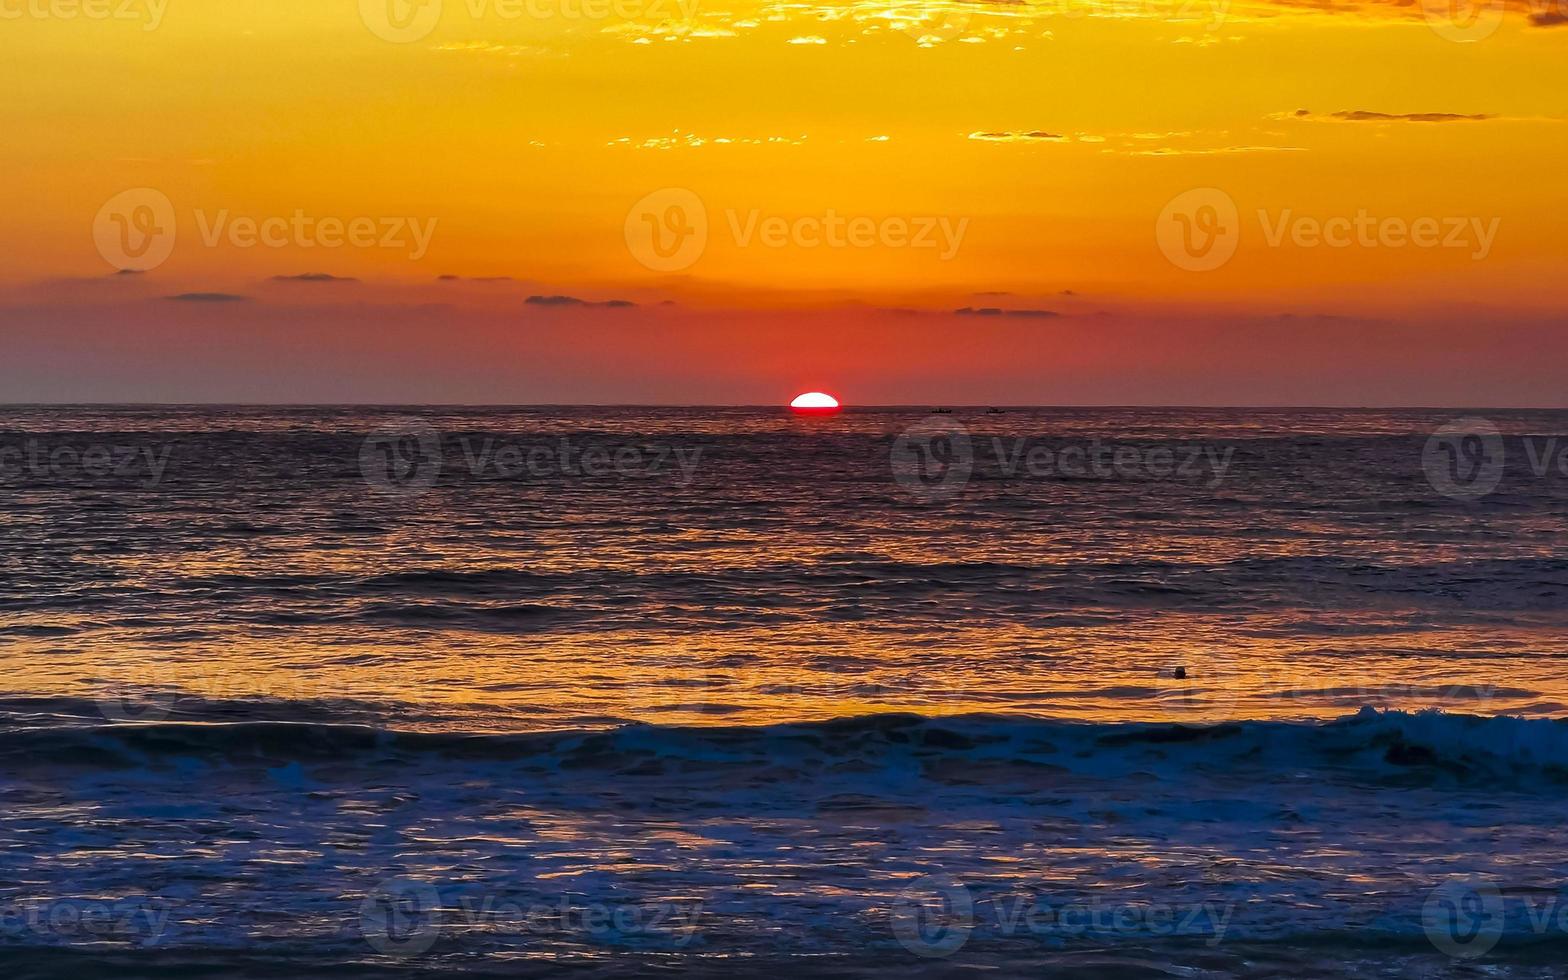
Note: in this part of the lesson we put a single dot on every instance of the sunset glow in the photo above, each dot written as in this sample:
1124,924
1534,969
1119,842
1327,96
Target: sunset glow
811,489
706,180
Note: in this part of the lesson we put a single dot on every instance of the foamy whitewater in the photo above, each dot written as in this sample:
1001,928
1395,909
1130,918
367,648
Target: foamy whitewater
720,691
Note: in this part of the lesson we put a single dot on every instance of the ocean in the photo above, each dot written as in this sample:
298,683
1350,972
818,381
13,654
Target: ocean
605,690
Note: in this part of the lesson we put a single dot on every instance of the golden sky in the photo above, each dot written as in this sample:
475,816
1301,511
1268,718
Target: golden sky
1088,182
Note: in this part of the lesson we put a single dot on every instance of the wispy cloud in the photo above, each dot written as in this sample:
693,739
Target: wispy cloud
1363,115
1205,151
577,301
504,50
314,277
683,140
999,311
1032,136
1368,115
207,298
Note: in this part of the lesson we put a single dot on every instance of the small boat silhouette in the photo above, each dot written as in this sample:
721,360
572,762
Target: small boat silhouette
994,411
941,411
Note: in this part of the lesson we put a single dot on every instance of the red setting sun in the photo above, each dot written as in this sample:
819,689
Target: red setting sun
814,403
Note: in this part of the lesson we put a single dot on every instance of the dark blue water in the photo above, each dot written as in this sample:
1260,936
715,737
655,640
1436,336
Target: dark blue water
1114,692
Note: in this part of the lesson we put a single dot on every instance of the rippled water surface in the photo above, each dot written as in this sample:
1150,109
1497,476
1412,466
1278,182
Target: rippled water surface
595,689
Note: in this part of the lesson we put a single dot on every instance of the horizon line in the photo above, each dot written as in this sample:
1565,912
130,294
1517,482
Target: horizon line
784,406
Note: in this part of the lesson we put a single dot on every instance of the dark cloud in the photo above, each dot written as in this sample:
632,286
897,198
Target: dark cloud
451,278
122,279
1548,18
207,298
1364,115
998,311
314,277
1010,137
1328,318
575,301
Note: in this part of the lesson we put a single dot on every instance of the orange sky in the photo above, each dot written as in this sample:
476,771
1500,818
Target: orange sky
1135,201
